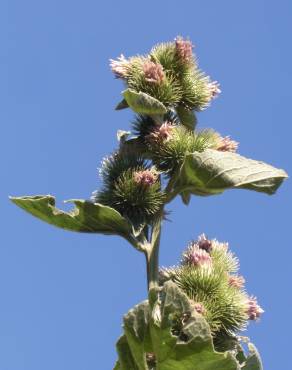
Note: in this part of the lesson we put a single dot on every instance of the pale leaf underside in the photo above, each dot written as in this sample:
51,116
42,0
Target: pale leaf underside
87,217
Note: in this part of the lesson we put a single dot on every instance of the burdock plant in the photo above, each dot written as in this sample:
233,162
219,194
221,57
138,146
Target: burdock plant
196,310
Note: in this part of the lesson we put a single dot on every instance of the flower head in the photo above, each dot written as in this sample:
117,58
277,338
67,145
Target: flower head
120,67
199,308
214,89
204,243
145,177
184,49
153,72
236,281
161,133
227,145
194,256
253,311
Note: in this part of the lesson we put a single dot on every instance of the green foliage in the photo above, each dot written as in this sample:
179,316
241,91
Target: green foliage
200,305
142,103
87,217
212,172
152,339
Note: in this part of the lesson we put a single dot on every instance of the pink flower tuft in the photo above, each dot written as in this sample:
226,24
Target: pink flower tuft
153,72
161,133
120,67
254,311
227,145
194,256
199,308
184,49
236,281
146,177
204,243
214,89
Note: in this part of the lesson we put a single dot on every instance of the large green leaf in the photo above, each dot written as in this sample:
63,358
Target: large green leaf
212,172
86,217
143,103
151,332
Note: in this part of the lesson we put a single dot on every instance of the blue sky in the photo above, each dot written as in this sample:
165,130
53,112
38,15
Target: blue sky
62,295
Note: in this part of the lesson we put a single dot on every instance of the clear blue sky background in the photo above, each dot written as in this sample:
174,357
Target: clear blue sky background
62,295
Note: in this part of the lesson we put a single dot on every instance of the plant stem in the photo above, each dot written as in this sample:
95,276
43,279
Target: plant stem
152,261
152,255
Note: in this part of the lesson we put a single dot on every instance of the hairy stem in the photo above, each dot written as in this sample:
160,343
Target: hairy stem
152,254
152,260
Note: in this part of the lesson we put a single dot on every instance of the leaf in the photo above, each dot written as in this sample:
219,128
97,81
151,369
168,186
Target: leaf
122,105
136,327
187,117
186,197
126,360
150,331
86,217
117,366
143,103
212,172
253,361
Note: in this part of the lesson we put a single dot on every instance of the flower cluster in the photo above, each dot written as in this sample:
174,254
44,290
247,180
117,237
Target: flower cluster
217,291
130,186
170,74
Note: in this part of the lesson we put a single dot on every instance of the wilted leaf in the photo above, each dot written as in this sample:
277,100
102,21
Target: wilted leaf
143,103
212,172
86,217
